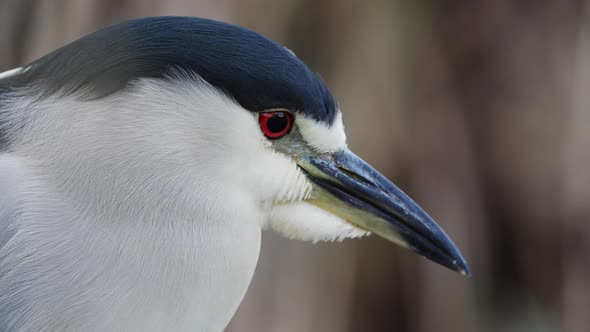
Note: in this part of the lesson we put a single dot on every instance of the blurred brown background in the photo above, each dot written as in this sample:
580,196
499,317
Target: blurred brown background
479,109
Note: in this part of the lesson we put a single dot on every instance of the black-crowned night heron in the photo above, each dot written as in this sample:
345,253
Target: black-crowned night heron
139,164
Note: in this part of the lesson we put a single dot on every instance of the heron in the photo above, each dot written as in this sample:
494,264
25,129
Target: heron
140,164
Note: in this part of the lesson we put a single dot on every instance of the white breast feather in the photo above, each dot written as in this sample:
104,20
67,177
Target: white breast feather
127,220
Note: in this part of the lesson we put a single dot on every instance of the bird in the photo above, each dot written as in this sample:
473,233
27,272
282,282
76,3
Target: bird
140,164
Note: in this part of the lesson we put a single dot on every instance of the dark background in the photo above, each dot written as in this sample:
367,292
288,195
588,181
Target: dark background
480,110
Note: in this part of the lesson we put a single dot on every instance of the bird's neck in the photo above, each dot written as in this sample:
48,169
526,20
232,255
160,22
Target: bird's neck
125,229
165,265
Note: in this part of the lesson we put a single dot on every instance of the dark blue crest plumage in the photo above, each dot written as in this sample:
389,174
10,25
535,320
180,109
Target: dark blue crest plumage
258,73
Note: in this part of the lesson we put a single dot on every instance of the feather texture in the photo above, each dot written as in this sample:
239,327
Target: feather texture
142,210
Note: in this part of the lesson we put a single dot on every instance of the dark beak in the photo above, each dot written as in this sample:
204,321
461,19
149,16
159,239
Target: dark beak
347,186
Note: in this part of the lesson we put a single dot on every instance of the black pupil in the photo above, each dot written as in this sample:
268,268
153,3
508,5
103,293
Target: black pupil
277,123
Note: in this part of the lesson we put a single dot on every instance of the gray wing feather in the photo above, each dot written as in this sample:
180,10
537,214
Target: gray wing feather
6,81
11,180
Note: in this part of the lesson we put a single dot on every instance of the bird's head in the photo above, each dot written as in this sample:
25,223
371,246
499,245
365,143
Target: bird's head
323,191
248,110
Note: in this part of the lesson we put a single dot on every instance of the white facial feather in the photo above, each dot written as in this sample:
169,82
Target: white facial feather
143,210
304,221
323,138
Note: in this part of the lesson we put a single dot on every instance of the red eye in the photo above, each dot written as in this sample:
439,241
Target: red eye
275,124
